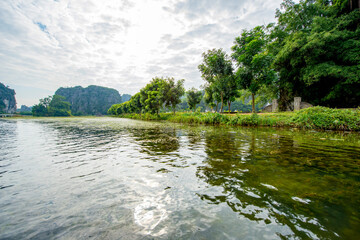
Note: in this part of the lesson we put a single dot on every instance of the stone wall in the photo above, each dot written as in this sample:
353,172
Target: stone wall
299,105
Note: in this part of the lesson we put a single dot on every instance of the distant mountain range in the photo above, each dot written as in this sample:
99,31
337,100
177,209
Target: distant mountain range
92,100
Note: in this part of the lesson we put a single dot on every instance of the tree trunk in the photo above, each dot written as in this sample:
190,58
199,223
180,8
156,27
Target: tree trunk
353,4
283,99
222,103
253,102
217,105
229,104
174,108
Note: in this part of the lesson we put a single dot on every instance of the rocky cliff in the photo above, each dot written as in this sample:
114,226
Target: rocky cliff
7,99
92,100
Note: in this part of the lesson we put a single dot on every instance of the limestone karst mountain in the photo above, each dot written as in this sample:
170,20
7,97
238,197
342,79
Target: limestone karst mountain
92,100
7,99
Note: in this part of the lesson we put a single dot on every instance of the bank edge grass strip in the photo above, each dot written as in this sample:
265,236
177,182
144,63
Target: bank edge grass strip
310,118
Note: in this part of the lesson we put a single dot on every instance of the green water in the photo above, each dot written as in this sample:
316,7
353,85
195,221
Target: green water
108,178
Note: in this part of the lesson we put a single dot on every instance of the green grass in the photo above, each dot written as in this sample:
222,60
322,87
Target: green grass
310,118
328,118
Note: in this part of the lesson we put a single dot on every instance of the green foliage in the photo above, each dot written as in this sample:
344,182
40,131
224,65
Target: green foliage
217,70
150,99
328,118
113,109
150,95
39,110
53,106
135,103
314,118
317,51
210,96
58,107
247,120
193,98
253,60
172,92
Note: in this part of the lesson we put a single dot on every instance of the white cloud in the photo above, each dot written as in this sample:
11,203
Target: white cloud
120,44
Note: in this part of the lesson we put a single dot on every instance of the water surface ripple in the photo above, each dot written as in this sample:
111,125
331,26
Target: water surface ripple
108,178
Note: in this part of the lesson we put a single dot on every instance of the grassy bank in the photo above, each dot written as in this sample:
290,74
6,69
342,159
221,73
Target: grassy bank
310,118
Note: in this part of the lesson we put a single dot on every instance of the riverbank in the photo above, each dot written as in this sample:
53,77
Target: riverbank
310,118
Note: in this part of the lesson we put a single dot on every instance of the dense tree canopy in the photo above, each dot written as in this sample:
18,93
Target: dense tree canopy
158,93
253,61
135,103
193,98
217,70
52,106
316,44
151,97
172,92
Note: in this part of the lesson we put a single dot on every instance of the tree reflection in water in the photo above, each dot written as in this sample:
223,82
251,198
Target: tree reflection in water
283,179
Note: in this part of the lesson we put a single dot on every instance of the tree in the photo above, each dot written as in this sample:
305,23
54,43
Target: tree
58,107
52,106
113,109
210,97
317,53
217,70
135,103
125,107
253,61
193,98
39,110
172,92
150,95
46,101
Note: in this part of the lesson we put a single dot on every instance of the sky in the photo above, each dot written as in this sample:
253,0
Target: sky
121,44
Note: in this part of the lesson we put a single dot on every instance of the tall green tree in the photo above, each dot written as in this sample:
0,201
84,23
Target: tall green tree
253,61
135,103
59,107
217,70
194,97
172,92
151,97
317,53
211,97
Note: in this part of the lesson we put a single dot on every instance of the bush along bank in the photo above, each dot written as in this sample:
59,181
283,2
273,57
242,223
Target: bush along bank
310,118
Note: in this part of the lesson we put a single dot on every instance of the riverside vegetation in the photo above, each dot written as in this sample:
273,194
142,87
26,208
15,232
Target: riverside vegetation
310,118
311,52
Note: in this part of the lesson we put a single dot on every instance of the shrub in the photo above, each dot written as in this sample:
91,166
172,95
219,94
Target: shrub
327,118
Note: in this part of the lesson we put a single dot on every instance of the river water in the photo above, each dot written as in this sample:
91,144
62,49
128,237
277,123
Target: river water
109,178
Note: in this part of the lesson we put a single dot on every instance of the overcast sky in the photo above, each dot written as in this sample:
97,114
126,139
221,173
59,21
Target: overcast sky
48,44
